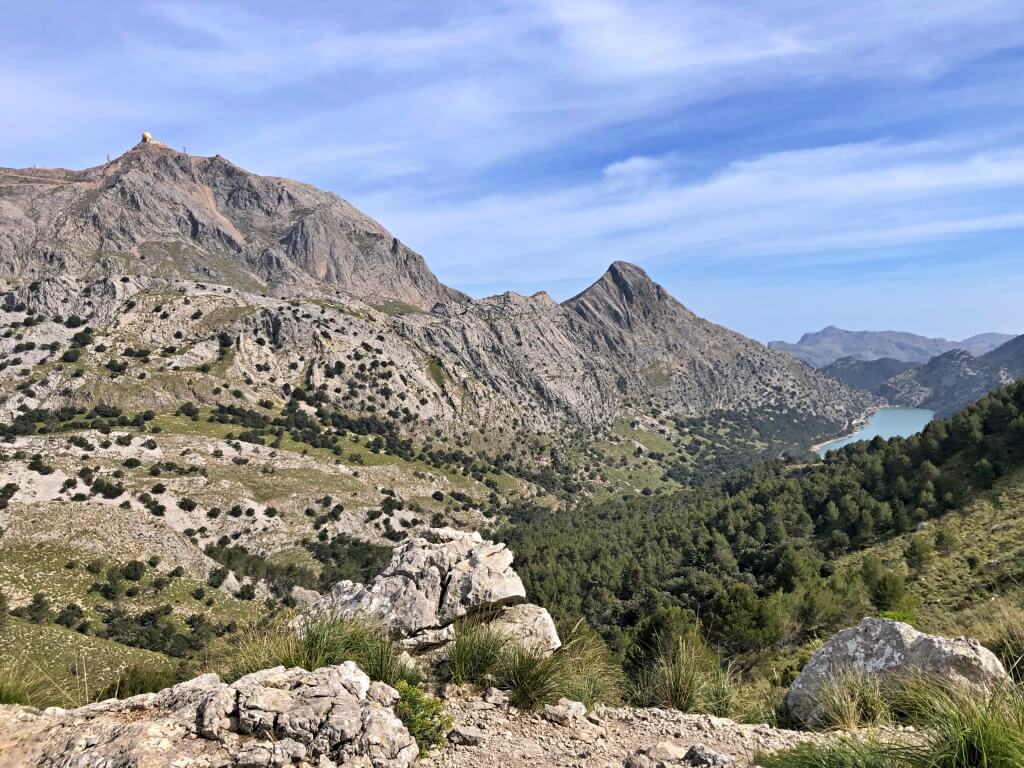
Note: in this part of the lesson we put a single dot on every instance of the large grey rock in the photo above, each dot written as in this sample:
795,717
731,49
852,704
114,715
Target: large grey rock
431,581
275,717
675,754
886,647
529,625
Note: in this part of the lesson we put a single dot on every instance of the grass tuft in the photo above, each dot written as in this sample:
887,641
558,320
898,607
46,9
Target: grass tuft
582,669
689,677
22,685
321,643
843,753
851,700
474,653
137,679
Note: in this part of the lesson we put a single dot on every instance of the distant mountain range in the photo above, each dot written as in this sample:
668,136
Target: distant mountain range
824,347
946,383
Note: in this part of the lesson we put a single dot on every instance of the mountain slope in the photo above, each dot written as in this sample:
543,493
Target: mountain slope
158,224
824,347
869,375
212,368
949,382
154,211
1009,356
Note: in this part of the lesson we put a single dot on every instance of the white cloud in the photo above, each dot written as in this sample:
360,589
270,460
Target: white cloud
814,206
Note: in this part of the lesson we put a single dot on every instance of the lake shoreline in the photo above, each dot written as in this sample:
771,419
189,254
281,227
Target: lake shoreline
853,427
886,421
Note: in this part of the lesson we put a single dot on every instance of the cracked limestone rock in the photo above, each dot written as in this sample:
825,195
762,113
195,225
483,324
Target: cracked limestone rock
431,581
886,647
274,717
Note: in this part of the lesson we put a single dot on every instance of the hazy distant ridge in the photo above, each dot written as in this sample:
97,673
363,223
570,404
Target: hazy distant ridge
824,347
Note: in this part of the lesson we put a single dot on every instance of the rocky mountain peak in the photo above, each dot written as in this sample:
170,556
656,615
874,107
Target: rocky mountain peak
155,211
625,296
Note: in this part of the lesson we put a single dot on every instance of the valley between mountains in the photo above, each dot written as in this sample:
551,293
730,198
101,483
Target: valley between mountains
224,396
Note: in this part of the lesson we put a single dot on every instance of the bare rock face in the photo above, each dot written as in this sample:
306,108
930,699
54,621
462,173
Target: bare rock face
431,581
886,647
275,717
529,625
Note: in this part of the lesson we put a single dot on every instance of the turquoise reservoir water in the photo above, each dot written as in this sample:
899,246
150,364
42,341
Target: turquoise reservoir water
887,422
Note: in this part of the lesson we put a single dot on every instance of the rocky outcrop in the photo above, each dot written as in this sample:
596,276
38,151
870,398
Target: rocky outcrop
891,648
275,717
434,579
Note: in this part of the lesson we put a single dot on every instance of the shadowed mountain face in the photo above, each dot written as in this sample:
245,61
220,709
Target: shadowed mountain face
946,383
830,344
154,211
868,375
155,221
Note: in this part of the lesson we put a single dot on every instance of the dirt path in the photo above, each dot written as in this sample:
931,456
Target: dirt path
511,741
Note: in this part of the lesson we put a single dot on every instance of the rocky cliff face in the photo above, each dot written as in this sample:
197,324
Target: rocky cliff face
154,211
869,375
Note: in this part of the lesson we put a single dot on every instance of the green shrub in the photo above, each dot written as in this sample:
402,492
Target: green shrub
425,717
904,615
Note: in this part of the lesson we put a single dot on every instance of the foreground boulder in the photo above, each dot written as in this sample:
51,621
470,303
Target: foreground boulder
886,647
432,580
275,717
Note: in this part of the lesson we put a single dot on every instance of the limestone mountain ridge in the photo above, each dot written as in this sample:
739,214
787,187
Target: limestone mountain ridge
244,251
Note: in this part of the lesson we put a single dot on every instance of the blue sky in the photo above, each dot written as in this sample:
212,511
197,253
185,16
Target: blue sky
777,166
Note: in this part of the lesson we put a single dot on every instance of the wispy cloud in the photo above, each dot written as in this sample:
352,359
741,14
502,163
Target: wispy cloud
813,206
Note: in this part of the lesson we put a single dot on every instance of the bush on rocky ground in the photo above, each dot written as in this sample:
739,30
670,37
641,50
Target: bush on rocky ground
423,716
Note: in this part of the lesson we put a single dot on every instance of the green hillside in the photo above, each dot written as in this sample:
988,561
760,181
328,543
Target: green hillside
772,557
